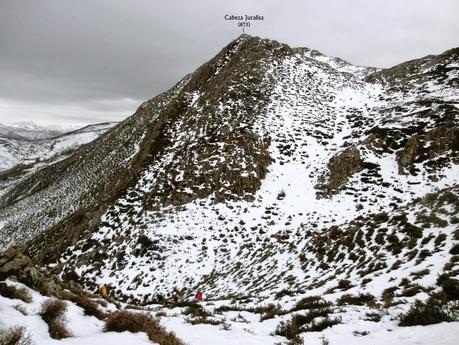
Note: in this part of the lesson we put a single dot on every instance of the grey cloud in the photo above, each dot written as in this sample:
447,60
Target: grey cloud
59,53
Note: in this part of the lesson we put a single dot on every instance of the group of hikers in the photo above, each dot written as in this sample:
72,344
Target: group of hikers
105,290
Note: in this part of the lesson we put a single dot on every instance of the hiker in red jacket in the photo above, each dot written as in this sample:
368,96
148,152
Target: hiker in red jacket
199,296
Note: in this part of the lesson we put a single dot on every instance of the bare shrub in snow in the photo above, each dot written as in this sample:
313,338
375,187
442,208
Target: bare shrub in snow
53,313
90,308
15,293
21,308
17,335
435,310
120,321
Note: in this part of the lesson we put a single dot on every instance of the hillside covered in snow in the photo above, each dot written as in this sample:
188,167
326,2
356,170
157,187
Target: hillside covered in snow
25,147
270,176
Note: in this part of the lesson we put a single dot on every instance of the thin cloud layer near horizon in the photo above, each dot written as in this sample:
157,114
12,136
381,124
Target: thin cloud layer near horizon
72,63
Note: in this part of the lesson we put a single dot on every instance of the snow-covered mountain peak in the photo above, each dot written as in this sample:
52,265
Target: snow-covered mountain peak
268,169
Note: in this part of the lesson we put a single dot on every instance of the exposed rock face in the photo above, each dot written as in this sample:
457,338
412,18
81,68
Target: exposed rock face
14,263
342,166
422,147
211,146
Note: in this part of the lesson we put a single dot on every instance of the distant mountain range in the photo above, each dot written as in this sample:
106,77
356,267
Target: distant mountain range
31,130
24,146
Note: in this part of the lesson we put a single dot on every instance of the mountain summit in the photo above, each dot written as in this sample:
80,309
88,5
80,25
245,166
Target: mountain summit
267,169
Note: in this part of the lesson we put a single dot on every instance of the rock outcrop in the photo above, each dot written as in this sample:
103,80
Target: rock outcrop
17,265
422,147
341,167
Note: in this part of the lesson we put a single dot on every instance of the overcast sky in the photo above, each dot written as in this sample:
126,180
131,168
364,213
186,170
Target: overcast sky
71,62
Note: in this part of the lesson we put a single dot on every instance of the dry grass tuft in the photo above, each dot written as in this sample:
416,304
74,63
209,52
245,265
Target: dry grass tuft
90,307
53,313
15,293
17,335
120,321
435,310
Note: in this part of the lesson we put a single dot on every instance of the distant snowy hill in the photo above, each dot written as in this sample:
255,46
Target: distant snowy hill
25,146
268,175
30,130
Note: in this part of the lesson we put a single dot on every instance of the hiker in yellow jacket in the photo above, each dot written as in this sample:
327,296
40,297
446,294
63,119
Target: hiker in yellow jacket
103,290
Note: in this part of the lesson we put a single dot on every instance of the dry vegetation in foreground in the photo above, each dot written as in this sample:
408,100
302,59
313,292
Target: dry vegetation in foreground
17,335
53,313
13,292
120,321
435,310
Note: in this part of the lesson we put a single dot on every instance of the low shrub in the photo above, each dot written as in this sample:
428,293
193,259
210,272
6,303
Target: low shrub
90,308
313,314
284,292
52,309
53,313
10,291
120,321
451,288
268,311
271,311
226,308
58,329
319,326
360,299
411,290
289,329
344,284
203,320
420,274
21,308
454,250
293,327
196,310
311,302
374,317
435,310
17,335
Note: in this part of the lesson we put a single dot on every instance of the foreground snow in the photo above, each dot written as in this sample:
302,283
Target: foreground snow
85,329
240,327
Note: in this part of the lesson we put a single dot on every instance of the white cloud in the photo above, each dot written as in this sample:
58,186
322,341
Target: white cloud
67,114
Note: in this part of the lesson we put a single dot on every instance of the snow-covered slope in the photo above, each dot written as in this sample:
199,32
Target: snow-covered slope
336,143
17,149
268,171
